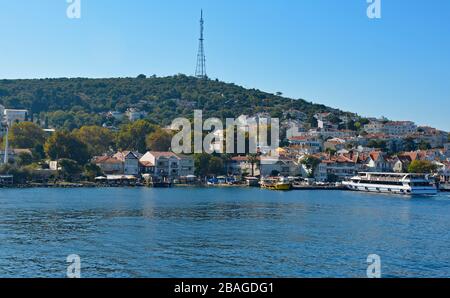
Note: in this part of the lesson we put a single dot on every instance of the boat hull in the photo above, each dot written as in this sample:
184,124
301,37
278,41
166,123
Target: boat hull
281,187
391,189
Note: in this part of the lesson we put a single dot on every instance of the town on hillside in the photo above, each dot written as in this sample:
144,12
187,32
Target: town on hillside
332,150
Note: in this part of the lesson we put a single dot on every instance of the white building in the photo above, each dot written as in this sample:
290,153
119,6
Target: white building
12,116
396,128
134,114
168,164
374,127
130,162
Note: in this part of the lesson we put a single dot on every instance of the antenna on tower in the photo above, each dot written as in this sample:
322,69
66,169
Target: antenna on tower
200,71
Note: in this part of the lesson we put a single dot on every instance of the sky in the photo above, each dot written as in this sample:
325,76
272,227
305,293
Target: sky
324,51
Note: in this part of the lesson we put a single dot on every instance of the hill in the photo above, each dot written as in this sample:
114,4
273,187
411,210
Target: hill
71,103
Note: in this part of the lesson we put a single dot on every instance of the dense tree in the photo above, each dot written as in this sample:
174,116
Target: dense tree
91,171
21,175
424,145
72,103
69,168
409,144
215,166
133,136
24,159
64,145
98,139
26,135
311,163
422,167
160,140
379,144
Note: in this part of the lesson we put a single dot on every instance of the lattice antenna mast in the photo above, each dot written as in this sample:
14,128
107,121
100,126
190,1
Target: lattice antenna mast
200,71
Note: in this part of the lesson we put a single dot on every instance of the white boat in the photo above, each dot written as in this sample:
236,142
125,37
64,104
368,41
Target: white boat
395,183
444,186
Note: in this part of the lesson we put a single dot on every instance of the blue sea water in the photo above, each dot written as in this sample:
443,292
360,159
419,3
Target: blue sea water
221,232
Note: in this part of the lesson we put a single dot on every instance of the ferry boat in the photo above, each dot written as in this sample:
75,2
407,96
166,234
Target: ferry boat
276,183
395,183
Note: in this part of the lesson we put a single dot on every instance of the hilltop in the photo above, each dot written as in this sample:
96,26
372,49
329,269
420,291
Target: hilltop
74,102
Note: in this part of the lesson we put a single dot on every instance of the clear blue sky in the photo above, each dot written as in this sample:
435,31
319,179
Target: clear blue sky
326,51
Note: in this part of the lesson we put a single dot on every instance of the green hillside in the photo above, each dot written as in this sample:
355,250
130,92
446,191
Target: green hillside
71,103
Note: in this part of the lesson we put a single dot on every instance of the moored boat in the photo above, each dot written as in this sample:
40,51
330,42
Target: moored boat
395,183
276,183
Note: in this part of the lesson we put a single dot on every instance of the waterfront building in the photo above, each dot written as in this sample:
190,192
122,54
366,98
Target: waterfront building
283,166
239,165
340,168
6,179
109,165
130,161
167,164
187,166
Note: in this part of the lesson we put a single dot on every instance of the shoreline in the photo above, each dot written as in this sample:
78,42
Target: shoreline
67,185
93,185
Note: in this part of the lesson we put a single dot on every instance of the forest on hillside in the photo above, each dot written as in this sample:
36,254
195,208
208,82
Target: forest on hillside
72,103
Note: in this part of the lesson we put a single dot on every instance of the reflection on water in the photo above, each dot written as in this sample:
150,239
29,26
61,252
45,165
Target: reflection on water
229,232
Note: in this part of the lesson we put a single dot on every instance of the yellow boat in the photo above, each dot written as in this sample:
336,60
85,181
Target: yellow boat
276,184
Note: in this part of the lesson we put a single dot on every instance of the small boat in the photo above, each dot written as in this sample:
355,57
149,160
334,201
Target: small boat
280,183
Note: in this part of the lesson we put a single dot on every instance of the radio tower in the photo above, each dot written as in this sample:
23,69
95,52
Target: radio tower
200,71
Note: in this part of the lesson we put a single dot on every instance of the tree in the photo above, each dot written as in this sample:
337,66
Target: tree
215,166
409,144
69,168
253,159
132,136
98,139
20,175
26,135
201,162
422,167
311,163
424,145
91,171
379,144
24,159
160,140
226,159
63,145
